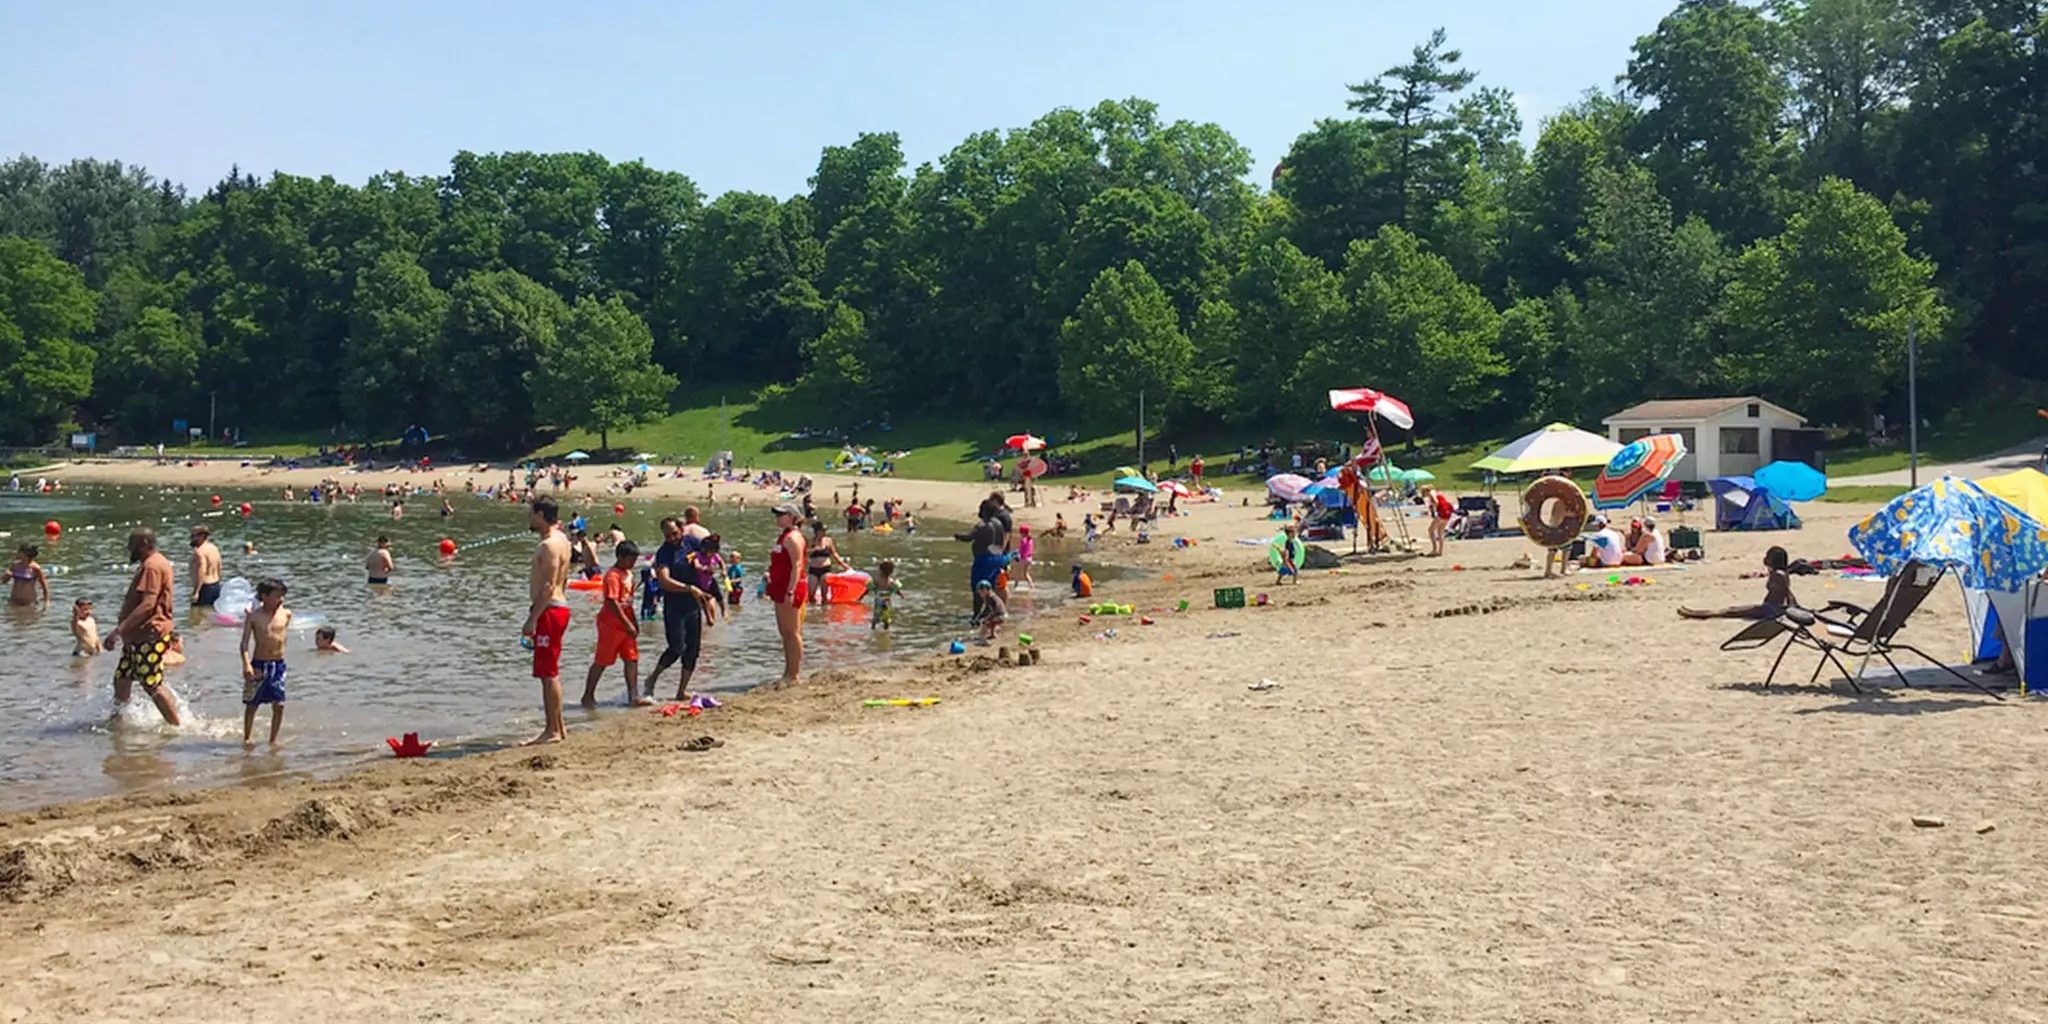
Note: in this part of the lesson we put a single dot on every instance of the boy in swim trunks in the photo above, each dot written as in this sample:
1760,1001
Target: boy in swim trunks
886,590
85,631
263,669
379,563
618,632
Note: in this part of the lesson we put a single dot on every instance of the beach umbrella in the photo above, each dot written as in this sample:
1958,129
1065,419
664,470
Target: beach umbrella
2026,488
1637,469
1557,446
1379,403
1024,442
1032,467
577,456
1956,524
1792,481
1416,476
1123,471
1178,489
1137,483
1384,473
1288,486
642,468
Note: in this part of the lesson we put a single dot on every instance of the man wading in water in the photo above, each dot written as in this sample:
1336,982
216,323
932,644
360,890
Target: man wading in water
547,617
143,630
205,568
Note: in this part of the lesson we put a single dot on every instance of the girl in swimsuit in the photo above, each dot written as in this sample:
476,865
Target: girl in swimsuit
26,579
820,559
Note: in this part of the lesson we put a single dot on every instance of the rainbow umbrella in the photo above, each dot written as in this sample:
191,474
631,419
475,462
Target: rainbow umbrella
1637,469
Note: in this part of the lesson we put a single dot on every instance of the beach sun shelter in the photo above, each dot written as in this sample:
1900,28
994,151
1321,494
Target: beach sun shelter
1557,446
2020,617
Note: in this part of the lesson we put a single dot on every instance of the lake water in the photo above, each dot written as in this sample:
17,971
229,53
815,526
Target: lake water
437,652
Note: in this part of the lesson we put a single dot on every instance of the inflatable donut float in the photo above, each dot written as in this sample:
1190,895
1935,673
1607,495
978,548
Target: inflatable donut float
1280,546
1554,512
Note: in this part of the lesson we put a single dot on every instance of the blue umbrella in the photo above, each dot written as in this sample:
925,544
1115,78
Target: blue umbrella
1137,483
1792,481
1954,523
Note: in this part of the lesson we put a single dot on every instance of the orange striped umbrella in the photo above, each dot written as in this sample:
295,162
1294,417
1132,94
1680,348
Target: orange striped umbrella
1637,469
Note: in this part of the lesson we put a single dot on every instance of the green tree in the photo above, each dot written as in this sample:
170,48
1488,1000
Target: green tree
500,323
1713,126
1847,60
599,374
149,368
1124,339
394,368
836,374
1403,106
46,313
1818,315
1413,329
1286,305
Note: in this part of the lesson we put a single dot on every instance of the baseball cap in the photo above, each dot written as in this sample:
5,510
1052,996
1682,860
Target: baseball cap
785,509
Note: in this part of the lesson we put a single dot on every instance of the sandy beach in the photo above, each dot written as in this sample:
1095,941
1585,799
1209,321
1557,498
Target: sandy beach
1474,795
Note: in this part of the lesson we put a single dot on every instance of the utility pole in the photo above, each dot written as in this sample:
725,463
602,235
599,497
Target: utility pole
1913,403
212,403
1141,430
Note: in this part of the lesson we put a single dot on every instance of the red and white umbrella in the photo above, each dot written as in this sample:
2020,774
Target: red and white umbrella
1379,403
1177,488
1024,442
1032,467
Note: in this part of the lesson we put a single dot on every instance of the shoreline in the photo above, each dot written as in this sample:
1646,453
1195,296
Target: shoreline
1472,794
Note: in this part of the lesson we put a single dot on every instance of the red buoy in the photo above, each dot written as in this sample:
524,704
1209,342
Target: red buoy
246,509
618,510
53,528
216,501
447,547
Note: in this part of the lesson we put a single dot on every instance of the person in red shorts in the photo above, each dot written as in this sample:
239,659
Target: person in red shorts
547,618
787,589
618,632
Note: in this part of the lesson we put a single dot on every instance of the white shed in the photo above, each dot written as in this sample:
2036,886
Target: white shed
1723,436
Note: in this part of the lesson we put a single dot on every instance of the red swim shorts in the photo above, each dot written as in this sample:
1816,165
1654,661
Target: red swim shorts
547,641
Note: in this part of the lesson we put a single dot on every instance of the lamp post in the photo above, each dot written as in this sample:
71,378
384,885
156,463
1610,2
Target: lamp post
1913,403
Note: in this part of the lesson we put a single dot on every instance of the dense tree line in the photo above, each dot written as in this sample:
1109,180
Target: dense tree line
1769,200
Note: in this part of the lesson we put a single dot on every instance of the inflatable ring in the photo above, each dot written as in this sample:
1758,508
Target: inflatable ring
1273,552
1554,512
595,583
846,587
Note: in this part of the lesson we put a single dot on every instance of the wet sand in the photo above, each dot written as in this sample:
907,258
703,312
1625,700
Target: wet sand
1475,795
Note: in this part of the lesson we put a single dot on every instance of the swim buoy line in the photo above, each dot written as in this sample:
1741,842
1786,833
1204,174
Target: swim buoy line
1554,512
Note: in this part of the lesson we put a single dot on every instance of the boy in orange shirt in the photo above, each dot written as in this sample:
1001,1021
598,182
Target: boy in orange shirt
618,631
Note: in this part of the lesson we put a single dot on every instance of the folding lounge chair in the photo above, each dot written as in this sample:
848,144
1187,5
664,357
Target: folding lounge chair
1861,633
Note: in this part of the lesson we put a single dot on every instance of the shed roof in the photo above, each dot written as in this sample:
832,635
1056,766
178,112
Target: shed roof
1681,409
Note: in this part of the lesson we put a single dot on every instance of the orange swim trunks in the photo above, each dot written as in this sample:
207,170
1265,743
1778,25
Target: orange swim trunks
615,642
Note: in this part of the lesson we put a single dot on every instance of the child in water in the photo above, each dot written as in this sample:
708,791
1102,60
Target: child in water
735,578
263,668
885,592
992,611
710,568
324,641
1089,530
618,634
85,630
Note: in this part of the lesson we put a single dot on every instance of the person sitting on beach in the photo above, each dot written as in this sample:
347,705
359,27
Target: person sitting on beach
1648,548
85,630
1606,548
324,641
1082,585
30,585
1777,594
263,667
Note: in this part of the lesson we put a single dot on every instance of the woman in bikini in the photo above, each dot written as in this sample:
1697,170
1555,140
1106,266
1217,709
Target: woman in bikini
27,579
822,555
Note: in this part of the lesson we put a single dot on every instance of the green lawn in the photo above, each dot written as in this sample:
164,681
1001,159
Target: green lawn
1970,432
1877,493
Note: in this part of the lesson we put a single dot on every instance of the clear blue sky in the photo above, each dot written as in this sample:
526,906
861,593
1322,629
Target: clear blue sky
736,95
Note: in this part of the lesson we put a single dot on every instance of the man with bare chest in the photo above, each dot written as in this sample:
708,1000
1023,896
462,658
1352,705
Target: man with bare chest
547,616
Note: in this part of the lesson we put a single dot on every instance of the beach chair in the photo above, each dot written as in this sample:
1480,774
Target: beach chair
1855,632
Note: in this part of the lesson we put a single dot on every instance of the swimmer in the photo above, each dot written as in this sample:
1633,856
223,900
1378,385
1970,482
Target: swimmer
29,584
398,510
582,552
205,568
447,509
618,632
248,547
324,641
886,591
85,630
379,565
263,668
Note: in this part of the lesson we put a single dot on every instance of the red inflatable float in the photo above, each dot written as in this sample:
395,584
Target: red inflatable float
53,528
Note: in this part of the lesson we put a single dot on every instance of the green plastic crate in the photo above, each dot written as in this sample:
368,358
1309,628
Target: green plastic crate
1230,597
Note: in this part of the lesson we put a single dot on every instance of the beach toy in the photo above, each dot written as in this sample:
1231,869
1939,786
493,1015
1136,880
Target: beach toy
1275,551
1085,619
1129,609
216,501
846,587
447,547
1024,638
1554,512
900,702
1261,600
704,702
410,746
619,509
1182,606
1612,580
1144,620
246,509
1457,568
53,528
526,643
956,647
582,584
